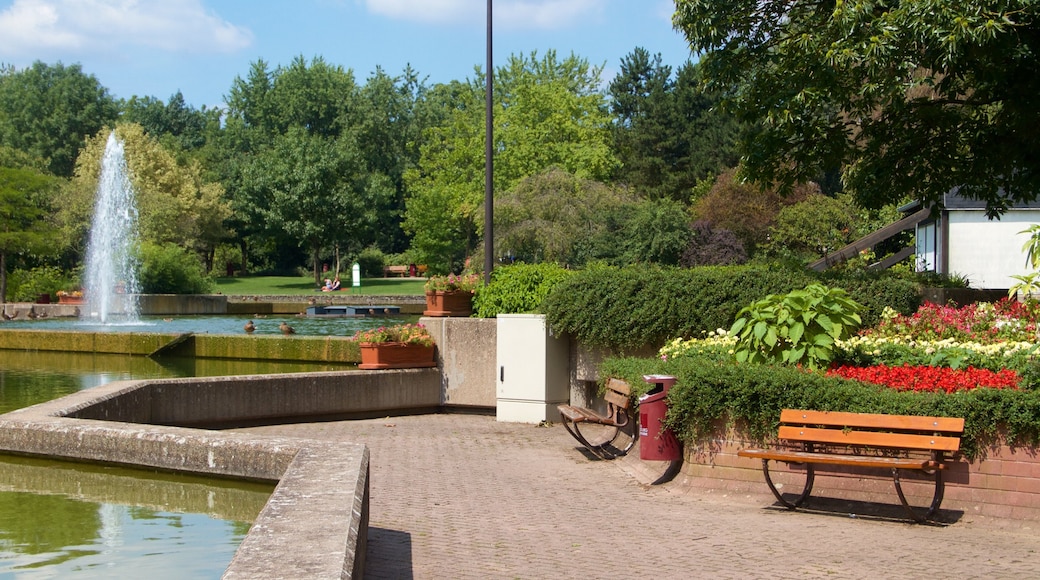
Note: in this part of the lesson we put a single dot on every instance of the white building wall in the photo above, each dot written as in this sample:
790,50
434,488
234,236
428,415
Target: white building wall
988,252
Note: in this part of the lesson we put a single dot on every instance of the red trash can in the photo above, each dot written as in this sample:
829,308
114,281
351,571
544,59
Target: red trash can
657,443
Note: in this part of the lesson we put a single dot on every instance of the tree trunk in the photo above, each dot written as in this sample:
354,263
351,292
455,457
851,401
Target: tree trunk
3,278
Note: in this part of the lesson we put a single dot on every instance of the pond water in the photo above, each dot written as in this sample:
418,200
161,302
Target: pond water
265,324
68,520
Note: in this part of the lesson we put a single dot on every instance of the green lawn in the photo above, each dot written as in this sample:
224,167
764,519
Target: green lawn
296,285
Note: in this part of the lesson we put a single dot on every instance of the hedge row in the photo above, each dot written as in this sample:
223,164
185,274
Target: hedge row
709,389
631,307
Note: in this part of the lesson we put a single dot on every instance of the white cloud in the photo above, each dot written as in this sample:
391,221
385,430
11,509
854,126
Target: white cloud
32,27
514,14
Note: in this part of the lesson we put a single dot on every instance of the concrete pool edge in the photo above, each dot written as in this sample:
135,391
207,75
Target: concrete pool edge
315,523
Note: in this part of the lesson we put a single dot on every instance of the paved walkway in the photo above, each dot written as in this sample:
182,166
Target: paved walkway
462,496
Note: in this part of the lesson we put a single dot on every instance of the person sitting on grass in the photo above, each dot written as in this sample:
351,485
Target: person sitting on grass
335,284
328,286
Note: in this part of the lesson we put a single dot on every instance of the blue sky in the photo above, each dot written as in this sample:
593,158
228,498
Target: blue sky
157,47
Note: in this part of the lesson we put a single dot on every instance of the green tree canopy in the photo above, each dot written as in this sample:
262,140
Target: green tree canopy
48,110
910,98
175,203
25,196
547,113
669,133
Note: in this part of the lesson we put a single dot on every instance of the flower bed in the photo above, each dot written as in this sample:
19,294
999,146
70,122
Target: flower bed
929,379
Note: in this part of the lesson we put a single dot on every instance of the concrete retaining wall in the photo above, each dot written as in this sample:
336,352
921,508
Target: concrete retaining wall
315,523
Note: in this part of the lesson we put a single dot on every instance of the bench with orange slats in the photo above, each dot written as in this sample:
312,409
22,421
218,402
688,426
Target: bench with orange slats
893,442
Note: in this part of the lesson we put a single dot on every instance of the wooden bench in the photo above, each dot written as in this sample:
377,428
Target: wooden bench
400,271
894,442
616,419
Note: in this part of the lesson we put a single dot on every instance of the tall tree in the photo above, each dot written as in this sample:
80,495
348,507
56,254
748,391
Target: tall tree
24,207
175,203
48,110
669,132
317,191
908,97
548,113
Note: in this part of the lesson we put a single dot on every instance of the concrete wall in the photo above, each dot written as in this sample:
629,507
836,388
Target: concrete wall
164,304
315,523
266,399
988,252
466,357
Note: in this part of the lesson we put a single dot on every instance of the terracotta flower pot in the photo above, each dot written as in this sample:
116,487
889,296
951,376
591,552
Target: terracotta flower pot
449,303
70,300
395,355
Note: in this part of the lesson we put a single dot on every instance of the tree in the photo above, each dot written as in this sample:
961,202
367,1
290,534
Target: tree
546,215
24,208
669,132
175,203
47,111
174,123
907,97
547,113
745,209
316,191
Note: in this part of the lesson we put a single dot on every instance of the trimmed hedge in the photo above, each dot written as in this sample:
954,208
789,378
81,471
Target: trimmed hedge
517,289
631,307
709,389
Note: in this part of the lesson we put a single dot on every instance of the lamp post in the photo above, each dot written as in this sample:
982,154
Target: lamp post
489,194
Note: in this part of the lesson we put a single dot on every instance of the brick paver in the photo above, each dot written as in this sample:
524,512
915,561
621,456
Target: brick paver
463,496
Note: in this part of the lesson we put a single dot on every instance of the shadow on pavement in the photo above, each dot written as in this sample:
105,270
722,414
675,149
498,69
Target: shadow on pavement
389,554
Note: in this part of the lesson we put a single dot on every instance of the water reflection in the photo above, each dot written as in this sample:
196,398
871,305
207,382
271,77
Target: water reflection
60,519
31,377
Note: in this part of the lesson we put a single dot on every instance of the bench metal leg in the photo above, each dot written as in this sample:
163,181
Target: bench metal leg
940,487
604,450
810,476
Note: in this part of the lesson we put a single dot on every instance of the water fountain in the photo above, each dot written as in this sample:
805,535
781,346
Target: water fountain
110,275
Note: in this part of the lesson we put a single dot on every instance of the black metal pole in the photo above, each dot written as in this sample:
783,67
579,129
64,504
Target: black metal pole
489,194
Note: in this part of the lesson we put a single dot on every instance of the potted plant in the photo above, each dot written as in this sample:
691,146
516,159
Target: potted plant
70,297
395,347
450,295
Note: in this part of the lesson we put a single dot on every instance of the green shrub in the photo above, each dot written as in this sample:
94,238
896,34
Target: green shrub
798,328
875,291
371,260
707,391
28,285
518,288
639,306
169,269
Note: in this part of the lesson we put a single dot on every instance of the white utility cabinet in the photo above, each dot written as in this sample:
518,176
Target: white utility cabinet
532,370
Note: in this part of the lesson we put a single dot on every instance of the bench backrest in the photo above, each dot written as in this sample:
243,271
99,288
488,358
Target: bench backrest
618,393
869,430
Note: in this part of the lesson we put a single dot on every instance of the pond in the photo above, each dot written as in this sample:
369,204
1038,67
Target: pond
68,520
200,324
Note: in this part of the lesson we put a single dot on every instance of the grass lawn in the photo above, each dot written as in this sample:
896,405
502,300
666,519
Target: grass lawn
299,285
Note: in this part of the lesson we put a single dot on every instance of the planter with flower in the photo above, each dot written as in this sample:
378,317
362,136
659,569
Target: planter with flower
450,295
400,346
70,297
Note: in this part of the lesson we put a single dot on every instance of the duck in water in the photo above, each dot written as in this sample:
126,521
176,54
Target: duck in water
249,327
286,329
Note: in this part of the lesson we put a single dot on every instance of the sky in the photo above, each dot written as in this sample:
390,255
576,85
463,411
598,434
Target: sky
158,47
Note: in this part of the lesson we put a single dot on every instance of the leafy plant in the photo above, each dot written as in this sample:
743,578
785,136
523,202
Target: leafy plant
800,327
517,289
1029,283
406,333
169,269
453,283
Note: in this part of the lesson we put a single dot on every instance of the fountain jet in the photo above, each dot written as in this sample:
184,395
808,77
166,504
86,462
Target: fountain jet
110,275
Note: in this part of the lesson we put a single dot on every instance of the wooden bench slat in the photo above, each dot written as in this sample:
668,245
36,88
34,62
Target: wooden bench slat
853,460
870,438
875,421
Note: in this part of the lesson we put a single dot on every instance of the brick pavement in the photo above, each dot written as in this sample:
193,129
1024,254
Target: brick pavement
463,496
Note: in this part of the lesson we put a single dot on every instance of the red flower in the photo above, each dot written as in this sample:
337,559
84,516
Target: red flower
929,379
